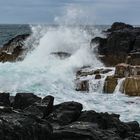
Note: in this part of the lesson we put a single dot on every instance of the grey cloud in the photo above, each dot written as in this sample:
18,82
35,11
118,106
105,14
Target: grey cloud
45,11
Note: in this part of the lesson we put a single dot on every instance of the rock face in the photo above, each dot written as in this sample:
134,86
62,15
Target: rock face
110,84
4,99
125,70
133,58
131,86
65,121
23,100
12,50
119,26
85,75
122,39
17,126
82,85
65,113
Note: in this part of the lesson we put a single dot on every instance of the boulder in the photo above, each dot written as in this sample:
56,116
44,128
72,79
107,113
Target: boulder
41,109
13,49
110,84
119,26
82,85
48,102
131,86
98,76
35,110
121,39
65,121
65,113
83,131
106,121
96,126
4,99
17,126
23,100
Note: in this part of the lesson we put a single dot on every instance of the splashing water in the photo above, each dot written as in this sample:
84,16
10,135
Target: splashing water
44,74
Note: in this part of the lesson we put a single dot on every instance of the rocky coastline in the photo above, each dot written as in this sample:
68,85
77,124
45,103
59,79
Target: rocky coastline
29,117
26,116
13,49
121,50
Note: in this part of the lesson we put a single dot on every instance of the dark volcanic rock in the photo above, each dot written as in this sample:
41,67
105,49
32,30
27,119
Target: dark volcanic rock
4,99
41,109
82,85
12,50
83,131
65,113
48,102
121,40
137,44
23,100
65,121
119,26
17,126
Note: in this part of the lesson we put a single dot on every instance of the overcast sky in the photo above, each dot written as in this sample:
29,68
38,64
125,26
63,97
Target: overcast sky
85,11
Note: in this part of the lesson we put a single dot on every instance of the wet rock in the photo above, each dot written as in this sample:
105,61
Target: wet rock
119,26
137,44
17,126
65,113
83,131
122,70
48,102
89,72
131,86
35,110
81,73
23,100
4,99
112,60
13,49
61,55
105,121
133,58
41,109
110,84
4,109
104,71
65,121
11,98
98,76
126,70
133,125
121,39
82,85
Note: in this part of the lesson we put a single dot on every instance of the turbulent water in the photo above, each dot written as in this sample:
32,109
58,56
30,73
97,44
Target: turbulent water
45,74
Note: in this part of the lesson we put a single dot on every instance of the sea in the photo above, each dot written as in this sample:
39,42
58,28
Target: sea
44,74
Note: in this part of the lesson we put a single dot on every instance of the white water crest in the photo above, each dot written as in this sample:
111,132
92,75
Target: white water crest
44,74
